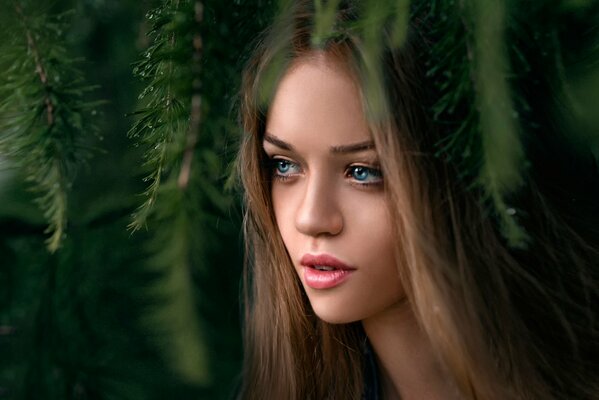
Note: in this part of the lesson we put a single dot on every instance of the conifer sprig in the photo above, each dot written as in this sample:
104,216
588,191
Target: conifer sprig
323,21
503,155
43,117
163,123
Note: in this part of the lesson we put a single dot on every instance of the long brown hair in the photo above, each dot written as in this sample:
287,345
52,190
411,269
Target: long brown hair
505,323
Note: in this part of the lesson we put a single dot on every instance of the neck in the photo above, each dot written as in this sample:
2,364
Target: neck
408,366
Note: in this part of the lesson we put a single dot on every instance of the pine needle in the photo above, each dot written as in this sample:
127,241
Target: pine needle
43,118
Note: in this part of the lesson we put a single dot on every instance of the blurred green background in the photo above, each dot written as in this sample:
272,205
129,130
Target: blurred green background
116,314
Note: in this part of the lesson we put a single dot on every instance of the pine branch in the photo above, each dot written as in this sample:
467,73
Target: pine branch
162,124
168,127
393,15
503,155
43,120
469,63
324,19
39,68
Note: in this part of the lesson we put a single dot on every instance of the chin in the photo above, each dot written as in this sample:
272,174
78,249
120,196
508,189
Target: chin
335,316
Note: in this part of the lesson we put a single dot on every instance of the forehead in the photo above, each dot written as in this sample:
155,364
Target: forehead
318,101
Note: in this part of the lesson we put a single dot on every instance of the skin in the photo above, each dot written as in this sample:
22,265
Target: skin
319,207
329,198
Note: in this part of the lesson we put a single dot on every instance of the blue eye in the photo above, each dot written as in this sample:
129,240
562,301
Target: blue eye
283,168
365,175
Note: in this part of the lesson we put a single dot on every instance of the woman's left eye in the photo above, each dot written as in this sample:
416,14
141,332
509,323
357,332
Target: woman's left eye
364,175
283,168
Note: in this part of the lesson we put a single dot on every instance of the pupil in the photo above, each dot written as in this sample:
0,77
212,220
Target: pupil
360,173
283,166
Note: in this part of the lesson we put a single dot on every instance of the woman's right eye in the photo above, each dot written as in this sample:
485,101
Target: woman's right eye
283,168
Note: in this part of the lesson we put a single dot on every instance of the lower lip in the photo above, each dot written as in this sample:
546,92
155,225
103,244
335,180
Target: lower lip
317,279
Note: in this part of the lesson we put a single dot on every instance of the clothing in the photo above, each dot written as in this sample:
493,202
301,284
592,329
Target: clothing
372,389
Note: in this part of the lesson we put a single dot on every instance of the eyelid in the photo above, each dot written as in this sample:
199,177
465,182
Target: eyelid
272,152
275,158
374,166
366,164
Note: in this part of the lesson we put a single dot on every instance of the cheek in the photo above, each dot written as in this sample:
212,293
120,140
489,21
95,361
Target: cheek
368,224
284,204
371,238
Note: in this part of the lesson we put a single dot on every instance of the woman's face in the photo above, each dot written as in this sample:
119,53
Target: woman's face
328,193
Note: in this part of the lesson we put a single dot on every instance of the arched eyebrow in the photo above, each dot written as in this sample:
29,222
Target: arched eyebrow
353,148
272,139
342,149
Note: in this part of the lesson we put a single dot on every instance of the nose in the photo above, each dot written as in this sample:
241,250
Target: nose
319,212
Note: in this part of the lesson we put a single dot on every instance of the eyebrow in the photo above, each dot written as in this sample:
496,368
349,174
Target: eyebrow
342,149
353,148
272,139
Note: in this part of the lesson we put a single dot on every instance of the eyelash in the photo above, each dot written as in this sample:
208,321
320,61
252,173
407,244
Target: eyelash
274,162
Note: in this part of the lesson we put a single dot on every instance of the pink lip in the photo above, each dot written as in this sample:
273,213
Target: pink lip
318,279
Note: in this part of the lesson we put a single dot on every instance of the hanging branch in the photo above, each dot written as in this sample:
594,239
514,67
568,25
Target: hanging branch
323,21
503,154
376,14
168,128
469,64
162,123
401,22
43,120
377,105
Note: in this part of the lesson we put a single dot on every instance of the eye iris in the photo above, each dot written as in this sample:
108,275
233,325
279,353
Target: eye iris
360,173
283,166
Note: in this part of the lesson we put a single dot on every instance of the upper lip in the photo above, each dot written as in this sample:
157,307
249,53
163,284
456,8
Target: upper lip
309,260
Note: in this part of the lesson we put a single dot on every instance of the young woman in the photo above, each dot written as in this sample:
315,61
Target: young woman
373,271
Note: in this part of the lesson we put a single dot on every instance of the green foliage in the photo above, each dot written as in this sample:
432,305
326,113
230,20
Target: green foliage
484,141
502,150
184,126
72,327
166,67
481,140
375,15
170,66
324,21
176,319
43,117
154,314
501,56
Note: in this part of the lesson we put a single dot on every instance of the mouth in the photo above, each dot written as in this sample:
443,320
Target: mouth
323,262
324,271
